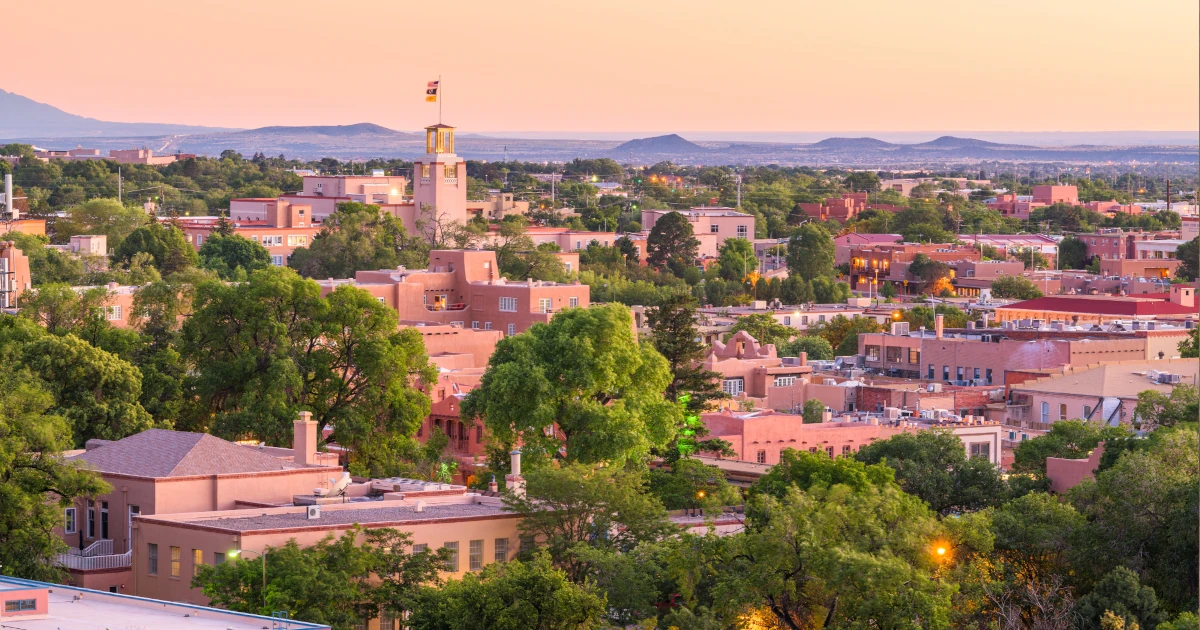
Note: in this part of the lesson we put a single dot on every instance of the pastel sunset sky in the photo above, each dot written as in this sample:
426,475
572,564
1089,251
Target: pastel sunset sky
619,65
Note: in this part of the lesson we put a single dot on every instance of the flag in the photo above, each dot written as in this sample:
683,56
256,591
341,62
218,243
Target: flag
431,91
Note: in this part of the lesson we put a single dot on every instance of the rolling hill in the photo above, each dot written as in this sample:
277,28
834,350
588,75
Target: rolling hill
22,117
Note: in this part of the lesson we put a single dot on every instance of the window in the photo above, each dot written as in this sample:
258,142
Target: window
474,325
545,305
388,621
741,231
450,171
277,261
272,241
197,561
199,239
512,329
475,555
959,373
452,563
487,325
820,318
829,451
1062,411
1087,412
479,433
573,302
945,372
931,371
872,353
152,559
733,386
894,355
425,171
501,550
567,267
297,240
112,589
104,520
113,312
981,449
1012,435
762,457
787,320
1045,413
508,305
254,237
785,381
69,522
714,228
914,357
175,560
218,558
988,375
91,519
420,548
976,373
16,605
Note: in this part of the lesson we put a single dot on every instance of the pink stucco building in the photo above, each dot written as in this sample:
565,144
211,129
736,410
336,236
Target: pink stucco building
751,370
1179,305
282,227
14,274
464,288
719,223
1050,195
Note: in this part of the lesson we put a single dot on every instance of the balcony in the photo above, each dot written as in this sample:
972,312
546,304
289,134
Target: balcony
99,555
446,307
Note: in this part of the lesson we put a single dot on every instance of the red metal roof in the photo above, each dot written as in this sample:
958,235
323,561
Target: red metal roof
1103,305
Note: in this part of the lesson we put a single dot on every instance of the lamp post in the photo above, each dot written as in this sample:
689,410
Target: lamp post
234,553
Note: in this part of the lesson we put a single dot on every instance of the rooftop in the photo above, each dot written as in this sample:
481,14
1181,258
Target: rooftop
1123,379
1125,306
389,512
161,453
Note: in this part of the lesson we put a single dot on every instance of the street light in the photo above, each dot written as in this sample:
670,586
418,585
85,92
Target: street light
234,553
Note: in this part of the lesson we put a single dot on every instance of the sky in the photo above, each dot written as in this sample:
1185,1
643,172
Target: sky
617,66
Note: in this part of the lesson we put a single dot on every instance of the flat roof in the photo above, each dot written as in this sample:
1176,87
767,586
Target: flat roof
390,513
98,610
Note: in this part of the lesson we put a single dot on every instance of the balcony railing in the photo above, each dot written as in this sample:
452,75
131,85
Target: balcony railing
93,563
102,547
446,307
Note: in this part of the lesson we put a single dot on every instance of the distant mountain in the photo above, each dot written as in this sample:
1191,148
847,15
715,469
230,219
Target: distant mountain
843,144
952,142
670,144
358,129
22,117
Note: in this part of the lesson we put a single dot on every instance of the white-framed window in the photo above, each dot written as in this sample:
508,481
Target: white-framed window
545,304
787,320
420,548
733,386
277,261
785,381
512,329
475,555
452,563
742,231
487,325
272,241
297,240
1045,412
199,239
254,237
113,312
567,267
501,550
474,325
379,299
69,521
573,302
508,305
981,449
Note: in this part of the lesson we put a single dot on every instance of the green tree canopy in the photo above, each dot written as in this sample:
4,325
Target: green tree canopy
842,332
166,244
358,237
584,374
1015,287
1188,255
101,216
818,348
810,252
764,328
233,257
737,259
672,244
1072,253
1070,439
933,466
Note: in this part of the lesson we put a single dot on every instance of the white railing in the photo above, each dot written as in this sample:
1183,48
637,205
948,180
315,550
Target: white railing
102,547
92,563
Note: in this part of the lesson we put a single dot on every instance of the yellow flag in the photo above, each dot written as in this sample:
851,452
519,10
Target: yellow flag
430,99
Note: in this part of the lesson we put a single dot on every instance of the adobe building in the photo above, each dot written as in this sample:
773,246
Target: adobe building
842,245
871,265
843,208
751,370
975,277
711,225
164,472
283,228
14,274
464,288
1178,305
1016,244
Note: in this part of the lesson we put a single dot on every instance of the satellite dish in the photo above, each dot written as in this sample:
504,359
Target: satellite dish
339,485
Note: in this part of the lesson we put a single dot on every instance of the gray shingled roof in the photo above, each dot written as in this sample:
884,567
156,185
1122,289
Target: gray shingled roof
365,516
160,453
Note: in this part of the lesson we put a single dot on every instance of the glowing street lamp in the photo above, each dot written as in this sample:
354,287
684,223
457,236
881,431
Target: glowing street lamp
233,555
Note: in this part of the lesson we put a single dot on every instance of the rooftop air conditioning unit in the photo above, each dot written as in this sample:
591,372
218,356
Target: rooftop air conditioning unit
1169,379
314,512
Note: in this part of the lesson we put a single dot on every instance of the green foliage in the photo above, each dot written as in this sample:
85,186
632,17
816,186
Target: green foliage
933,466
1015,287
1155,409
101,216
50,266
1070,439
585,374
269,347
672,243
813,411
809,470
818,348
737,259
233,257
1123,595
169,250
531,595
1190,348
35,482
690,484
1189,260
340,582
358,237
810,252
887,290
764,328
1072,253
842,332
917,316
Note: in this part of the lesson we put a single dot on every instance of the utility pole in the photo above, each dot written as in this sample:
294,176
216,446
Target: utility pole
739,190
119,196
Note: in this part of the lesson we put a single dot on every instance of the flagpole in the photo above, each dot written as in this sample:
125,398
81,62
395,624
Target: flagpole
440,98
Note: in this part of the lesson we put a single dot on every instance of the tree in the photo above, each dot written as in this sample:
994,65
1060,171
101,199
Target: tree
672,243
826,291
1032,259
35,482
1155,409
1070,439
673,333
267,348
764,328
233,257
842,332
691,484
928,270
1072,253
101,216
166,244
810,252
817,348
887,290
806,470
584,378
1123,595
576,506
834,556
529,595
1189,348
1188,255
357,237
813,411
737,259
50,266
933,466
340,582
1015,287
918,316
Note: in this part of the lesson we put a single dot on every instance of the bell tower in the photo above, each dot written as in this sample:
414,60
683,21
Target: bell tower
440,177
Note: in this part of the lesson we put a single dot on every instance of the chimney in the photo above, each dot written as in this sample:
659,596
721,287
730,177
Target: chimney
803,358
514,480
493,486
971,325
304,440
938,325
